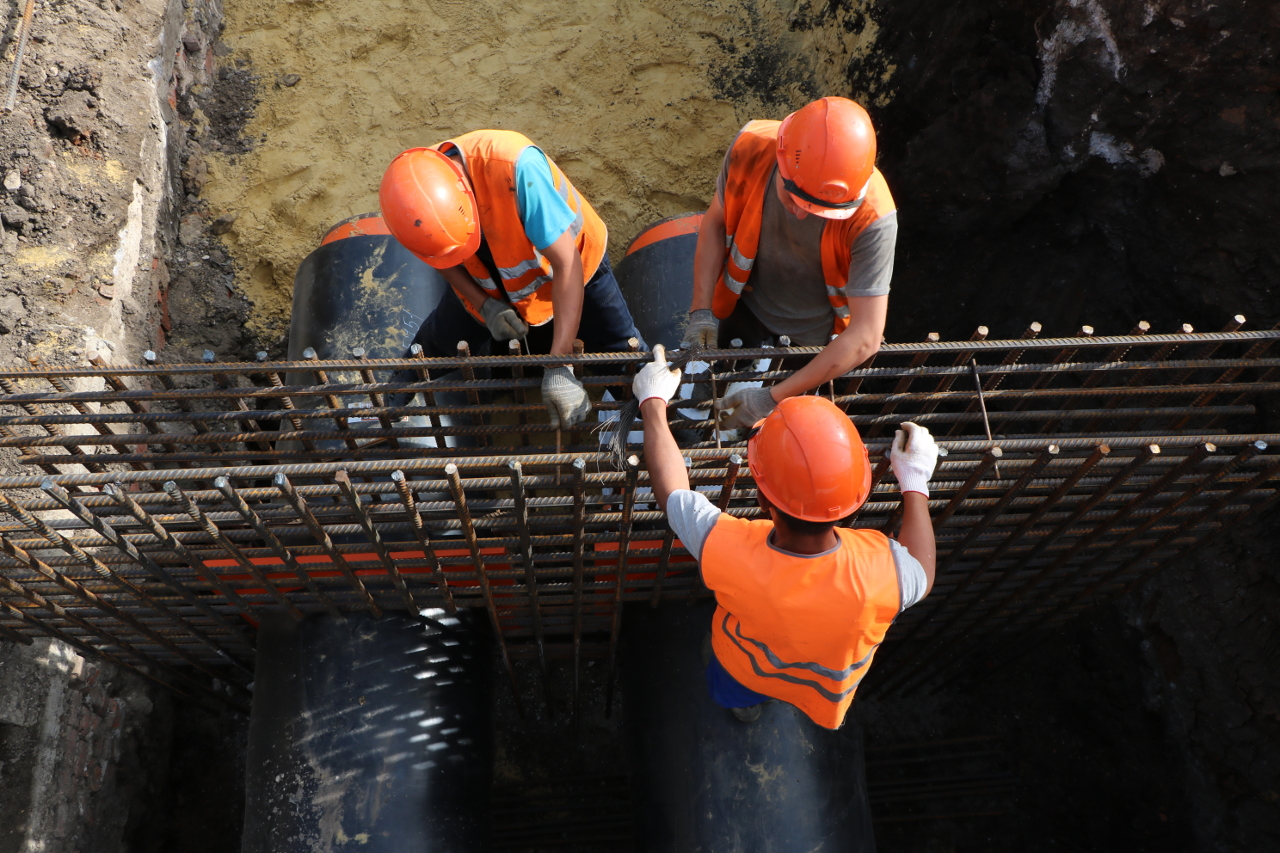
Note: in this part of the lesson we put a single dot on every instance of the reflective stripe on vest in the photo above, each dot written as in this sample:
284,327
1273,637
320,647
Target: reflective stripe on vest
800,629
490,157
752,159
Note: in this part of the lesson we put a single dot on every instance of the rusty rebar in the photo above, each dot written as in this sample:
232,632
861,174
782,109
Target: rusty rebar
420,533
530,577
238,503
620,580
308,519
127,548
579,466
343,479
469,531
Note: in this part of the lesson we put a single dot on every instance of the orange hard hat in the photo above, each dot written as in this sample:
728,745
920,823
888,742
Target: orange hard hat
428,206
809,461
826,153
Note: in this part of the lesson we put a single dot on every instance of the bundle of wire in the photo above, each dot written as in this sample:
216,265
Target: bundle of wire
617,430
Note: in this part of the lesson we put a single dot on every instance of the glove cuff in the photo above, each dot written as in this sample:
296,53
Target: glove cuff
913,481
702,315
559,375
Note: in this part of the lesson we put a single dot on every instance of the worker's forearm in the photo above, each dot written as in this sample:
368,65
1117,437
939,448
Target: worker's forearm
917,533
465,286
662,457
567,293
839,357
708,258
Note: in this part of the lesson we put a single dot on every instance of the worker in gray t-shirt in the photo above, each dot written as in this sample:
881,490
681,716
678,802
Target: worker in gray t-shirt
798,241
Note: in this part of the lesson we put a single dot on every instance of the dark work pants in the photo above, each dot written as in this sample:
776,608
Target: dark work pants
605,326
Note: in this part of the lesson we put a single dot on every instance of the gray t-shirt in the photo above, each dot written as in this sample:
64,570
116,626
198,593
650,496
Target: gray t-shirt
692,516
787,291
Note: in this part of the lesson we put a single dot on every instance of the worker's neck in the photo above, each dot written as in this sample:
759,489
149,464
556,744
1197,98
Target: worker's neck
787,540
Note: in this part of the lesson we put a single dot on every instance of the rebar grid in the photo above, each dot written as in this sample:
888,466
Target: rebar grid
169,506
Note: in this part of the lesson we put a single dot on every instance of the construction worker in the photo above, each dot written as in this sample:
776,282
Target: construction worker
798,241
802,604
522,250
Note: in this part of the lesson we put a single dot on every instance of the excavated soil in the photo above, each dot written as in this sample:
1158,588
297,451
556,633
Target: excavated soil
637,101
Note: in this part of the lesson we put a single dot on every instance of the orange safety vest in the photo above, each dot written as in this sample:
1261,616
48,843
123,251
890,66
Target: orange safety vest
490,157
750,176
799,629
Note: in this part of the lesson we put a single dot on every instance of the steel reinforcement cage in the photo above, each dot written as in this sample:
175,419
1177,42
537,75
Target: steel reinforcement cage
167,507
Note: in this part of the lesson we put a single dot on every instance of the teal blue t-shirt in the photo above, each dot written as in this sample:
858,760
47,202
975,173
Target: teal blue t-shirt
543,211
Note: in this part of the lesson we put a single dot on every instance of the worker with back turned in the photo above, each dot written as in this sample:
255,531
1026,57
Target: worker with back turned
801,603
798,241
523,252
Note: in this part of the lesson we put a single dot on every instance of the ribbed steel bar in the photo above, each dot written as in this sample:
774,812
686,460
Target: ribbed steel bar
104,607
343,480
904,669
97,602
86,559
620,579
989,460
1144,456
1016,536
579,466
1023,643
131,552
308,518
38,624
521,508
993,380
423,537
277,548
958,364
199,564
469,531
904,384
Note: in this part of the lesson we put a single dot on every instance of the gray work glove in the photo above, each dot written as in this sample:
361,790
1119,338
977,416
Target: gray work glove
565,398
749,405
503,321
702,330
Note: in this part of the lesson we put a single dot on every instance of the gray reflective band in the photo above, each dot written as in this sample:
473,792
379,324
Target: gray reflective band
487,283
841,311
829,695
836,291
742,261
564,190
528,289
519,269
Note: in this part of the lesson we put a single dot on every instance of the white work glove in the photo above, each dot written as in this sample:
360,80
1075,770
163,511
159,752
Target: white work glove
749,405
702,330
565,398
913,456
656,379
503,321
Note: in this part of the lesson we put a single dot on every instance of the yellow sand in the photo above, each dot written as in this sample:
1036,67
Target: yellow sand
635,99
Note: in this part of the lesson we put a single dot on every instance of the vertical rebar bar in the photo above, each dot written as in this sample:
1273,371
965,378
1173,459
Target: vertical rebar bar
424,539
309,520
39,527
126,547
905,670
624,542
477,559
579,509
343,479
273,543
530,578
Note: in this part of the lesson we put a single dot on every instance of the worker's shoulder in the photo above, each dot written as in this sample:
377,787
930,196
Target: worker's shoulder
863,538
879,198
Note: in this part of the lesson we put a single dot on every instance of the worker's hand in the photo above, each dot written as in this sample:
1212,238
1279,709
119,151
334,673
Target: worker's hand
749,405
503,321
565,398
913,456
656,379
702,330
